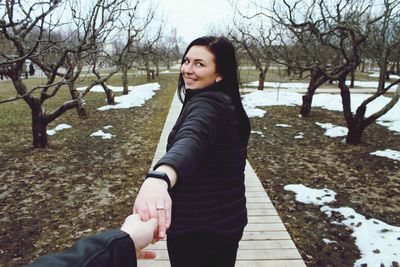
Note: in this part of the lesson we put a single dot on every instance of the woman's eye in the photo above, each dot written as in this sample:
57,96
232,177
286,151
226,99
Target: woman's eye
198,64
185,61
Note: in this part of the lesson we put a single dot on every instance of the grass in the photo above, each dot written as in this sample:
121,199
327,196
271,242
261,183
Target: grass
78,185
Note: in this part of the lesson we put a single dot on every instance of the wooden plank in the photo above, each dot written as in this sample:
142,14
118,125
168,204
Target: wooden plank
266,244
279,235
270,263
268,254
257,199
256,194
259,227
265,212
254,189
154,263
262,205
264,219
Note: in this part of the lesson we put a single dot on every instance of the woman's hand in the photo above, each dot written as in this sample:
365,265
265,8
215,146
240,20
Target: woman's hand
153,201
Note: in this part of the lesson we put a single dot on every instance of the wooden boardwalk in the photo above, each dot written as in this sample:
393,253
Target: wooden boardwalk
265,242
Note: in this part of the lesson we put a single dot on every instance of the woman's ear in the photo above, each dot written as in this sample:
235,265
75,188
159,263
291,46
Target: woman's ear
219,78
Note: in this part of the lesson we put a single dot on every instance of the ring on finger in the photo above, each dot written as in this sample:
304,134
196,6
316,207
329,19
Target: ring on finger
159,207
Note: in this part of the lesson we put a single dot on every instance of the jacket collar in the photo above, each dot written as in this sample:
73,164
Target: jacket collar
189,93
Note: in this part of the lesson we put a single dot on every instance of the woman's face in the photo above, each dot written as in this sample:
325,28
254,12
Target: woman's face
199,69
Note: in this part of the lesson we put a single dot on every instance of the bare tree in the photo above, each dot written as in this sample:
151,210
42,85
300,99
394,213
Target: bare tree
145,52
257,45
129,28
32,29
332,35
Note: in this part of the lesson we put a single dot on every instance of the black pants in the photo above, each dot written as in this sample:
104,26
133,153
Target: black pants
203,249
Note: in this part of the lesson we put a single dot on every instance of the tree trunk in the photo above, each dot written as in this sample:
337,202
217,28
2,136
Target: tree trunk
352,79
387,76
317,79
363,65
305,109
157,69
354,134
125,80
261,80
398,67
288,71
147,66
39,126
76,96
355,124
109,93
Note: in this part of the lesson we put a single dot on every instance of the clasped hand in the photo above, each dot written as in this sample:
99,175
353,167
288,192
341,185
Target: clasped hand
153,201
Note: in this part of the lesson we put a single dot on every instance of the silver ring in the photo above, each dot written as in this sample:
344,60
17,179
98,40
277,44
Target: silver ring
160,208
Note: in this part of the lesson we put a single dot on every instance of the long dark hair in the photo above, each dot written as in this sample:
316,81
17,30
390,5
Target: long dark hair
225,60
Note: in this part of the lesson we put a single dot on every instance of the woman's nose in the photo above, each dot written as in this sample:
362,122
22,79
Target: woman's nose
187,68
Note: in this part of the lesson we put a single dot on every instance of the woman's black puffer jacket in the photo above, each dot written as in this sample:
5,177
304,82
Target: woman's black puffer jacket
209,156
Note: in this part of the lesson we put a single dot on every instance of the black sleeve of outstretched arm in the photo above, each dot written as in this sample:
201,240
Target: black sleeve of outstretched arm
195,136
113,248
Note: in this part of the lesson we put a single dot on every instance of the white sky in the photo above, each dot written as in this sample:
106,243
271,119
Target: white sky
193,18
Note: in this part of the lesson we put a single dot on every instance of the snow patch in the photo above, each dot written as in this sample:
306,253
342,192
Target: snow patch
333,130
283,125
258,132
378,242
388,153
300,135
58,128
252,102
136,97
328,241
102,134
311,196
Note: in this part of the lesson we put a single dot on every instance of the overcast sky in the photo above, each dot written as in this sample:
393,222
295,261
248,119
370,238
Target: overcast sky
192,18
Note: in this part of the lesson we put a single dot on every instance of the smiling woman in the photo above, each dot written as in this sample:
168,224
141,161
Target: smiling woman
202,205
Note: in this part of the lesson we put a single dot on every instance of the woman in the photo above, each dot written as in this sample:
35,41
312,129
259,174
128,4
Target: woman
204,164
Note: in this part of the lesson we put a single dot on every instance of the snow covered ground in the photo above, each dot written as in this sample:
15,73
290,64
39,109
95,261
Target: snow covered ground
253,101
58,128
303,86
379,243
135,98
376,75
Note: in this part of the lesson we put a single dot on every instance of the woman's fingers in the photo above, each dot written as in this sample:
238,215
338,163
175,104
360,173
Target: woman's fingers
146,254
143,211
161,220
